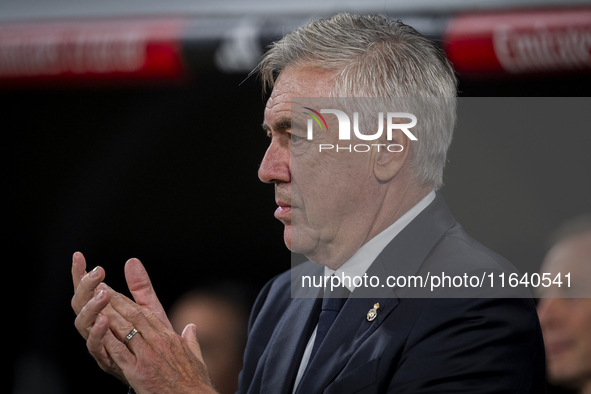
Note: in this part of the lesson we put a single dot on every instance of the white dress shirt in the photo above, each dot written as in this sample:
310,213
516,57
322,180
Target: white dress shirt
358,264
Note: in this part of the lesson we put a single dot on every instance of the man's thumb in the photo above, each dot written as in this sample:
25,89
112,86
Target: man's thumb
189,335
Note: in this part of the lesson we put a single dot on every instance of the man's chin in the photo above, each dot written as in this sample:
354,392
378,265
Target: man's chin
291,240
298,242
287,236
564,371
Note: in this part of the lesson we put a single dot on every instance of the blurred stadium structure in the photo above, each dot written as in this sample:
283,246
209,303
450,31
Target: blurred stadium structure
90,41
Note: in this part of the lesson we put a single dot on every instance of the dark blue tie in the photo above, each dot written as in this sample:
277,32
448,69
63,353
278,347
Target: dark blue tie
331,305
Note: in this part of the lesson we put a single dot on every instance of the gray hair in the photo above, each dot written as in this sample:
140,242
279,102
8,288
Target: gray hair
374,56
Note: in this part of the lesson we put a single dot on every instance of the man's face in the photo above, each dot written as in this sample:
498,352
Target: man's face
566,322
326,199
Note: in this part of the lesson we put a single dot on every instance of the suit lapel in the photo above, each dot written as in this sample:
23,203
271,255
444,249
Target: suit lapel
405,254
287,345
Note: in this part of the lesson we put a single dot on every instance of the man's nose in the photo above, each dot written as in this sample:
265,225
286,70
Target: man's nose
275,167
549,310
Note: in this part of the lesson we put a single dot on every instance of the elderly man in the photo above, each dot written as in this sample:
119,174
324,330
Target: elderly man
565,311
352,213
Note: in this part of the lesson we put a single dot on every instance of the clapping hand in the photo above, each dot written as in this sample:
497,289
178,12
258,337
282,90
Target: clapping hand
134,340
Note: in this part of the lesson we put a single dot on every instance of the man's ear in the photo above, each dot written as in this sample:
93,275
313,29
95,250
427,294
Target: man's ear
392,155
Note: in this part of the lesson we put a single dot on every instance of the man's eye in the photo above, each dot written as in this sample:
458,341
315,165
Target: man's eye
295,138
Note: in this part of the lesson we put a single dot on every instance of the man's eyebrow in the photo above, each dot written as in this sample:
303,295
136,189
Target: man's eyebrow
280,125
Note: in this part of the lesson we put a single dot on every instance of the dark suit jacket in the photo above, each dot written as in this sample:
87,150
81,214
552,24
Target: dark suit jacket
415,345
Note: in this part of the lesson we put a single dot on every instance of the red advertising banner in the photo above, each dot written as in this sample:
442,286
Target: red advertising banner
92,50
520,42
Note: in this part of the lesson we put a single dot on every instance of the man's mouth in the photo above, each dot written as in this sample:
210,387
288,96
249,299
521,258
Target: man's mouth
283,211
556,348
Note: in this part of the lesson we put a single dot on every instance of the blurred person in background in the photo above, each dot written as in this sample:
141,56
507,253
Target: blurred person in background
220,314
565,312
